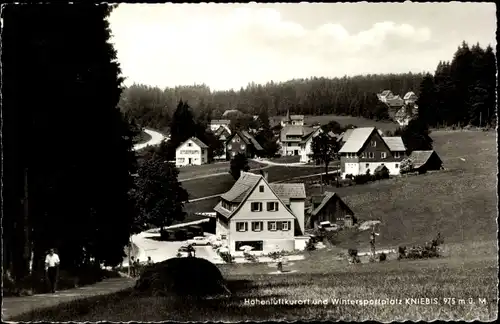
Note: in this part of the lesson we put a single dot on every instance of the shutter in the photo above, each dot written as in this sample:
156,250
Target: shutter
279,226
277,206
246,226
260,205
268,226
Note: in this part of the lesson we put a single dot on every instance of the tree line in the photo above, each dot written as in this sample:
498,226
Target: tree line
355,96
461,92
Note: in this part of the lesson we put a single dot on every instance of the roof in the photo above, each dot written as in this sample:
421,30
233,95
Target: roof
395,143
409,94
249,139
196,141
287,191
420,158
395,102
380,168
294,131
385,93
328,196
221,130
239,190
230,111
220,121
345,135
297,117
357,139
309,135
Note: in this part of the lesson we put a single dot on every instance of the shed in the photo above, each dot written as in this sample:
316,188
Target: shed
424,161
331,209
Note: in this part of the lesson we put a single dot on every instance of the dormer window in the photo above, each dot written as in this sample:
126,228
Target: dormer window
374,143
396,155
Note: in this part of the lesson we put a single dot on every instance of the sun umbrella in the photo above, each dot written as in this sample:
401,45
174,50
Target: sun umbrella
246,248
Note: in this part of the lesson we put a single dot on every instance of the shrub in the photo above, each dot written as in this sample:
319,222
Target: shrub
349,176
362,178
406,166
310,245
226,257
382,257
352,252
181,277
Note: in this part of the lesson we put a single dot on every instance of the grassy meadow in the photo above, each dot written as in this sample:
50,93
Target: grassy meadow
460,202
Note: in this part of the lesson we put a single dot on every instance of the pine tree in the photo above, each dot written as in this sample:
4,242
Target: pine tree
238,163
427,110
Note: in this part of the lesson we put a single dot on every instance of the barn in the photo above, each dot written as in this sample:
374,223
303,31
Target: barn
424,161
329,210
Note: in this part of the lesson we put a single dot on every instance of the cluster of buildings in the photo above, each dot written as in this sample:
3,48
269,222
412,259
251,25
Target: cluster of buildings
402,110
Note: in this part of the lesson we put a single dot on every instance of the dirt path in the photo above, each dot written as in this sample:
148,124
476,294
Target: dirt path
15,306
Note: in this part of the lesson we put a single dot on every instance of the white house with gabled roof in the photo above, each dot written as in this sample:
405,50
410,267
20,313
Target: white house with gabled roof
267,217
191,152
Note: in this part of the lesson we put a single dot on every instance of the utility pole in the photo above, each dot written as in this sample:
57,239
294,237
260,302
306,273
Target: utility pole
129,253
480,118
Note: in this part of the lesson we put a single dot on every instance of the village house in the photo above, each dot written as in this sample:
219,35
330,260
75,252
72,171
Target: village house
385,95
244,143
424,161
292,120
267,217
410,97
306,145
217,123
366,149
328,211
344,136
191,152
222,134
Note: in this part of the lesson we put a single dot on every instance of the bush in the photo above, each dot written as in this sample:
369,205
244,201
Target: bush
362,178
226,257
310,245
382,257
181,277
349,176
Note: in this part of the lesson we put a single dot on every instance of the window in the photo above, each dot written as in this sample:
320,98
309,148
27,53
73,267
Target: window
371,155
223,236
238,139
181,159
241,226
397,166
257,226
190,144
289,144
271,226
374,144
256,206
203,160
367,165
202,151
396,155
383,155
229,147
363,155
233,153
285,226
261,188
242,146
234,140
272,206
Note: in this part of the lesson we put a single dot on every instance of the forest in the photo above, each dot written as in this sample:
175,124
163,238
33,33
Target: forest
460,92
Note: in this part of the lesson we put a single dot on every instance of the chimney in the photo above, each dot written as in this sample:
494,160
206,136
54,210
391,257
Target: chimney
264,174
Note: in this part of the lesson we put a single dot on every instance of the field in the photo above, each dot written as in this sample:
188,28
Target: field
343,120
460,202
447,285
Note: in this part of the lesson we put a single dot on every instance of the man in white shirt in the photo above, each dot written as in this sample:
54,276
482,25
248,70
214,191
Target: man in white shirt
52,268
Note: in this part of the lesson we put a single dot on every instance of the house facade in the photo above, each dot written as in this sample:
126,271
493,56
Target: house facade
327,211
306,145
222,134
264,216
410,97
244,143
366,149
191,152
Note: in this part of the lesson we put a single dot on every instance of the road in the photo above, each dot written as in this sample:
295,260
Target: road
156,139
294,164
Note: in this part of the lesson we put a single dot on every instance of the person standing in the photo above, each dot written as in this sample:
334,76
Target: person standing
132,267
150,262
52,269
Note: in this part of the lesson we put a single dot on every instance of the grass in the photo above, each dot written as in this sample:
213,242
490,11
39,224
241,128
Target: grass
142,137
189,172
437,280
344,120
460,202
286,159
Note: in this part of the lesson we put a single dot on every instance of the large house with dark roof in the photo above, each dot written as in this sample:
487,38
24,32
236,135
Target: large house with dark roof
366,149
191,152
244,143
424,161
267,217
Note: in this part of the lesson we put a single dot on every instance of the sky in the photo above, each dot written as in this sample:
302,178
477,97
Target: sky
230,45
